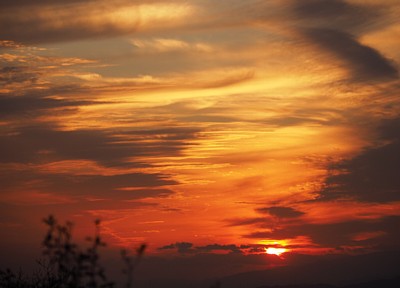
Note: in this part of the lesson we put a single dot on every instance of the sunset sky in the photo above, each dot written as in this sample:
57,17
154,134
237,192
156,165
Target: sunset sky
202,127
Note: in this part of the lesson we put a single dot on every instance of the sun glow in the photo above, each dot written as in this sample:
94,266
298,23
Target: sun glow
275,251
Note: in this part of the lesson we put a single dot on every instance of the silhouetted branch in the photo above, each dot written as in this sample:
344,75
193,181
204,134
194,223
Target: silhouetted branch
66,265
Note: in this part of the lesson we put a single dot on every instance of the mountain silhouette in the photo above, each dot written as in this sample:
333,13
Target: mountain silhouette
330,270
382,283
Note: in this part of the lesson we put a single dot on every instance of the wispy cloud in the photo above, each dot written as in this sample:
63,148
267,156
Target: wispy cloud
87,19
169,45
371,175
365,63
281,212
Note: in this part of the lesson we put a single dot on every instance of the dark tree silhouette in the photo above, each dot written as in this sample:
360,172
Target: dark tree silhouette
66,265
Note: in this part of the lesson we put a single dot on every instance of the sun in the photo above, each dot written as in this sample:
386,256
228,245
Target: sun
275,251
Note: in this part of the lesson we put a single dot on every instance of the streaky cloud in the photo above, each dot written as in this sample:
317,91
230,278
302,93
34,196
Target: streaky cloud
90,144
120,187
364,62
342,234
24,3
322,8
182,247
31,105
281,212
371,176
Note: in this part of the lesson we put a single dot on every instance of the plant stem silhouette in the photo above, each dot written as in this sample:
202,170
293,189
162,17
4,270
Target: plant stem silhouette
66,265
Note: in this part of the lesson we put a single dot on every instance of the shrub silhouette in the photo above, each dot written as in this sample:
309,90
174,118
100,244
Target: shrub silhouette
66,265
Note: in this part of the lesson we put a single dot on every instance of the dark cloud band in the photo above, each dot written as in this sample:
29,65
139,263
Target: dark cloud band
364,62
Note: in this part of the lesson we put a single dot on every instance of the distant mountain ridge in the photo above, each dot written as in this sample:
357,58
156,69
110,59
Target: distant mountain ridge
301,286
358,271
303,271
383,283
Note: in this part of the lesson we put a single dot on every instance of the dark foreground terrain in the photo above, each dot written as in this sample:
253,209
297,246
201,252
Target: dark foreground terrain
384,283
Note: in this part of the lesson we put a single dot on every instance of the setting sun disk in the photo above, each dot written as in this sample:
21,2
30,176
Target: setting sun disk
275,251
